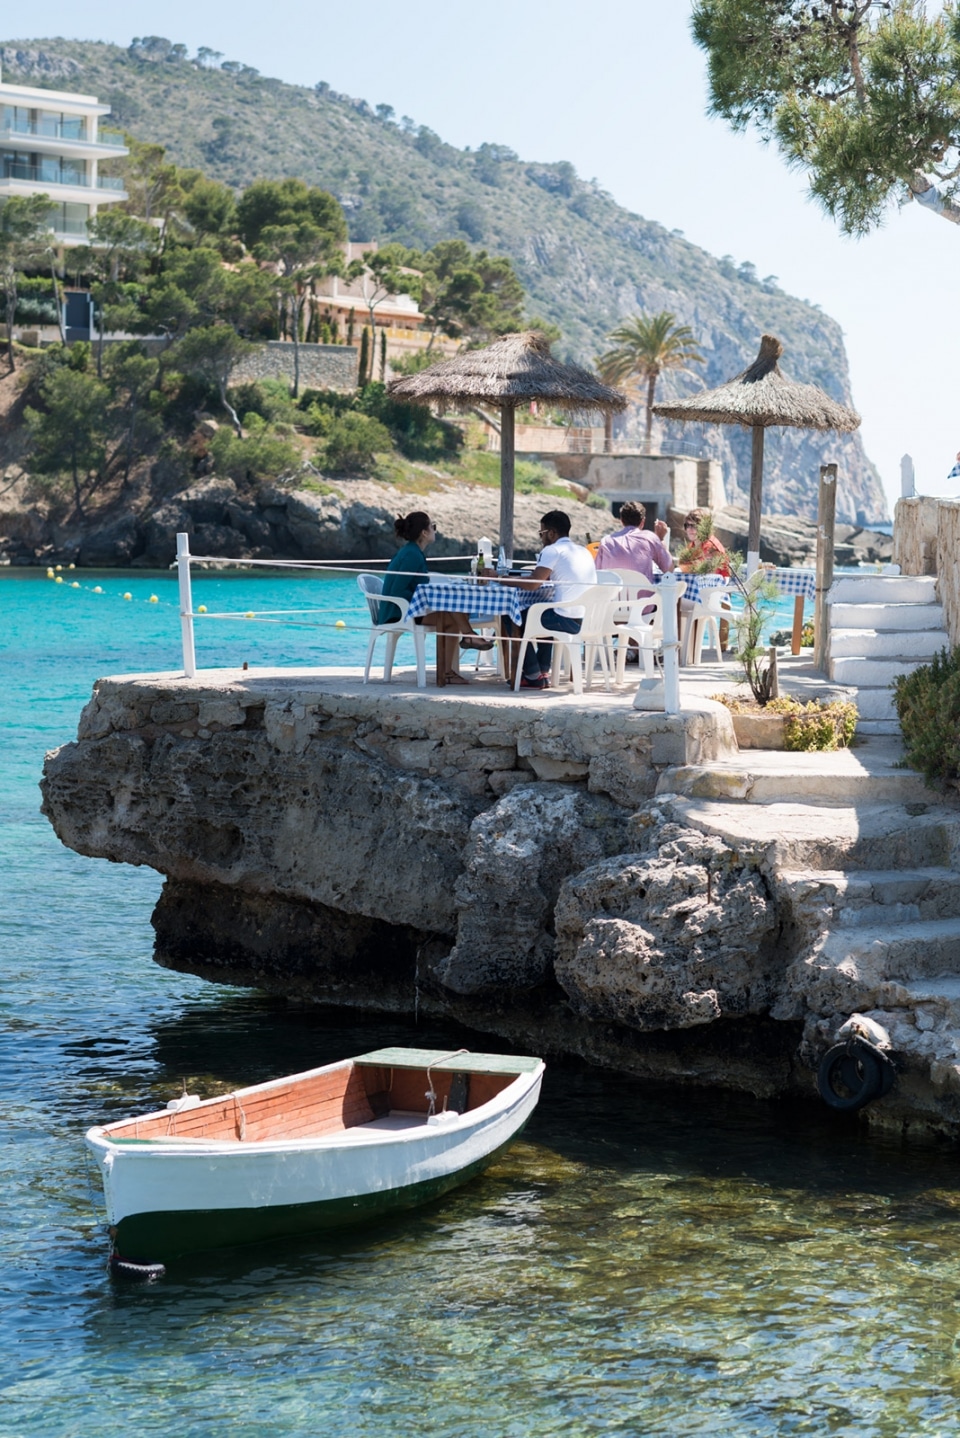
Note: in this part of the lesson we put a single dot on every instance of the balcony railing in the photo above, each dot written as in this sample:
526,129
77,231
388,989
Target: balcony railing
36,177
33,131
48,130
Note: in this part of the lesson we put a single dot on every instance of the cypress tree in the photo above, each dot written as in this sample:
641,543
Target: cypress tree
383,356
364,356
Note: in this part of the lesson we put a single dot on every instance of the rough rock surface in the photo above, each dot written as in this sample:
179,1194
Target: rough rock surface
516,858
340,519
680,936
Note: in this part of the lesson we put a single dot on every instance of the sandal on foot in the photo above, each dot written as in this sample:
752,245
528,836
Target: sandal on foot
476,641
452,677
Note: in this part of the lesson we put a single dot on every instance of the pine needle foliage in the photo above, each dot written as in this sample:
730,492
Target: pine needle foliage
864,97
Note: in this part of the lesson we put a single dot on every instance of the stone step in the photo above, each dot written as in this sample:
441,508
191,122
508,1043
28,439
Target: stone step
874,953
886,616
878,727
875,703
767,776
871,673
884,589
885,643
861,897
809,836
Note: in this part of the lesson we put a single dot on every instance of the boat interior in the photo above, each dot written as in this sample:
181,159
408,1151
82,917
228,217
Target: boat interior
354,1095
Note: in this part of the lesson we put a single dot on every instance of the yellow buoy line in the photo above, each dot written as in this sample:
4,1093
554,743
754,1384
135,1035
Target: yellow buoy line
294,618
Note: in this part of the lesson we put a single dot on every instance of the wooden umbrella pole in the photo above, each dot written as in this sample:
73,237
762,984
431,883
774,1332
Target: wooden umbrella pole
826,517
506,479
756,500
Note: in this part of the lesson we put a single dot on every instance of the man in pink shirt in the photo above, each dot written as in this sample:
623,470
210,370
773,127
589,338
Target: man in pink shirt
634,547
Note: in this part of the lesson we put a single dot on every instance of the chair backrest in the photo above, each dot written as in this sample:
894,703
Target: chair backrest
372,587
600,605
635,583
609,576
714,596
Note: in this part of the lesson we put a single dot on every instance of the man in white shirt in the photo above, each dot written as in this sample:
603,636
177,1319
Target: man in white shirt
571,569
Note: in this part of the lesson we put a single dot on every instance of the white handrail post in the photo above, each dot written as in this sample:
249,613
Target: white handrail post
672,588
650,692
186,606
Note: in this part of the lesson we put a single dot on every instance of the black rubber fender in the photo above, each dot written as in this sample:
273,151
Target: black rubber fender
134,1270
852,1074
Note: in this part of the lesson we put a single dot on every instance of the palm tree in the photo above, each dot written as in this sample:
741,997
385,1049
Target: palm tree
646,346
612,369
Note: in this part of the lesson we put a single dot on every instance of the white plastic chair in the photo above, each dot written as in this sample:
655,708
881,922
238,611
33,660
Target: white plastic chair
372,588
705,614
644,625
595,633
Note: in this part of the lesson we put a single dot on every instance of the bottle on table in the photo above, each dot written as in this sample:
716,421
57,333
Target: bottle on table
502,565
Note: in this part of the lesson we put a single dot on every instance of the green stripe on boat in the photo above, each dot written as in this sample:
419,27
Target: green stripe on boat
160,1237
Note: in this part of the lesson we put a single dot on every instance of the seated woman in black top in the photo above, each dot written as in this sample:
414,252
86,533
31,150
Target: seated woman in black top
406,570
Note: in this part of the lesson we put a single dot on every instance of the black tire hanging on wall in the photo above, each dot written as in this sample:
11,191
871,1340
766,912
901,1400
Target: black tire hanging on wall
852,1074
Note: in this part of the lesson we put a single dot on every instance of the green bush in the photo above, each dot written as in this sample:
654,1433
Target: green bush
928,706
353,442
269,398
262,454
819,725
414,430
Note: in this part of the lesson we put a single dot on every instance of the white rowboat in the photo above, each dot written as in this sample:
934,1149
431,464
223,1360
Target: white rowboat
336,1145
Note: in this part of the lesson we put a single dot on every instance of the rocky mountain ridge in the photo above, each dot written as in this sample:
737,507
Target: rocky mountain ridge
585,261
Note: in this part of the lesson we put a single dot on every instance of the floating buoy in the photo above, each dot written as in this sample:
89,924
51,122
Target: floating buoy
201,609
339,624
59,567
249,614
97,589
128,595
75,584
153,599
71,566
49,573
59,579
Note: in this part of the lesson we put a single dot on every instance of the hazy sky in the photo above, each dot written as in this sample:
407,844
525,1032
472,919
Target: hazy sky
618,88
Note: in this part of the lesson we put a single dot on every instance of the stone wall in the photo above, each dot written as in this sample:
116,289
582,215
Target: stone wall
915,535
926,534
321,366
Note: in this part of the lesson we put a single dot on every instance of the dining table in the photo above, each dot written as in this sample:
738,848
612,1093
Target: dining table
480,600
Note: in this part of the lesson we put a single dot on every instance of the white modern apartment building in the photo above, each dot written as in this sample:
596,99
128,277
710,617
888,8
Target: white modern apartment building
49,144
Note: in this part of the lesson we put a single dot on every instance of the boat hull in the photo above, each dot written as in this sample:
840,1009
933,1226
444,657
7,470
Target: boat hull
166,1197
165,1236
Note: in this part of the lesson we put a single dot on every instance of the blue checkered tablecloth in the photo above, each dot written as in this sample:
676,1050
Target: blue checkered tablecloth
795,581
696,583
480,601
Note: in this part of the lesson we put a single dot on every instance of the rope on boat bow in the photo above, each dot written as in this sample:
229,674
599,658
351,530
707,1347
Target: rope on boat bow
430,1093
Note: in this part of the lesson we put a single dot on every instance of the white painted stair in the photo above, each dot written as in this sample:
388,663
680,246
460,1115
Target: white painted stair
882,625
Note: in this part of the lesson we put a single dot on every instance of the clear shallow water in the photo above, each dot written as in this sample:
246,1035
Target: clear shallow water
640,1262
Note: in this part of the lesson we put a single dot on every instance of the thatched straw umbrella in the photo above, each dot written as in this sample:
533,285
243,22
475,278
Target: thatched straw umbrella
513,371
759,397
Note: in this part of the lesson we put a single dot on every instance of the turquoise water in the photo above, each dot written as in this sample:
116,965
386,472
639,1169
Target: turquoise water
641,1262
